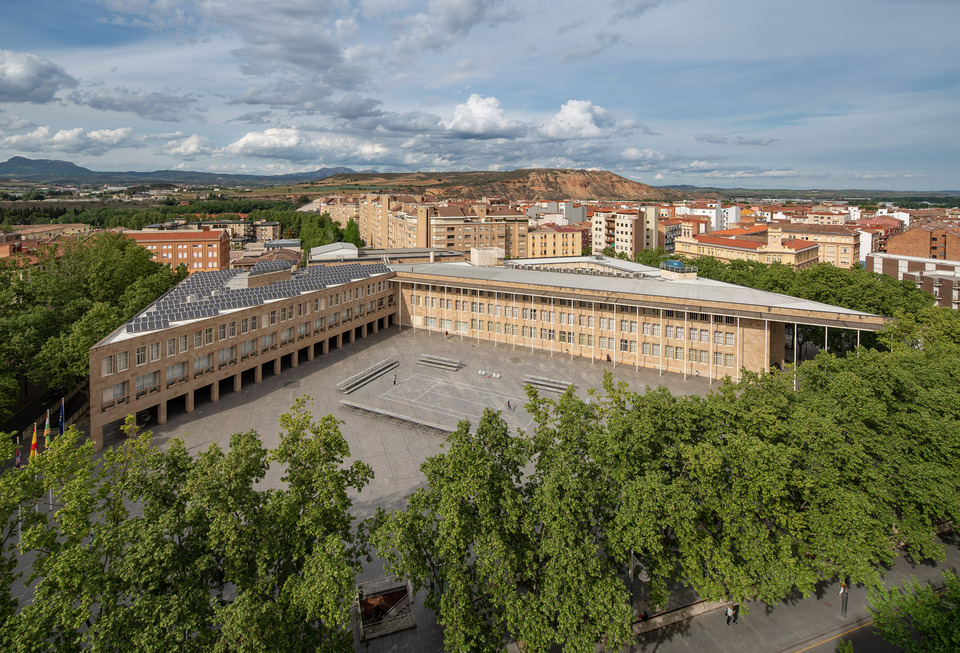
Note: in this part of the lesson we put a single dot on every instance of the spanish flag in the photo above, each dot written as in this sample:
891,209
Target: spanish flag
47,438
33,445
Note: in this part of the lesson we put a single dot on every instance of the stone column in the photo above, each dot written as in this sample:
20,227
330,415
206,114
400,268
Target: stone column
295,358
215,391
237,383
325,347
311,351
162,412
276,366
258,374
189,401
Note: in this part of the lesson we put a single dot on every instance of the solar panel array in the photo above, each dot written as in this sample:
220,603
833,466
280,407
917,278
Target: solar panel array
206,294
270,266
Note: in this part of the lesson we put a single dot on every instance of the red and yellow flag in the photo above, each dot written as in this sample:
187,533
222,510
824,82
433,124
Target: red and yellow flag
47,439
33,445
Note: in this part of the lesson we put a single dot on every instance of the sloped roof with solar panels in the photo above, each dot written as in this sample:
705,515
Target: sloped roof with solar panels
207,294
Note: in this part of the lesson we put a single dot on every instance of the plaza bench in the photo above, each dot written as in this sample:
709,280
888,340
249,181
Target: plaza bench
440,363
543,383
357,381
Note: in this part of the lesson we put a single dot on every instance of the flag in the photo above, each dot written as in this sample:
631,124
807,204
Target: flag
61,416
47,438
33,445
16,455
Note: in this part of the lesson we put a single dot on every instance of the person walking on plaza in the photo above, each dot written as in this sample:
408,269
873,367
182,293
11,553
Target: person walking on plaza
731,614
394,379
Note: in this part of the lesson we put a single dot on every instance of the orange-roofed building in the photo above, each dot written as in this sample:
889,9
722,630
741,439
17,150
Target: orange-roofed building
198,250
796,253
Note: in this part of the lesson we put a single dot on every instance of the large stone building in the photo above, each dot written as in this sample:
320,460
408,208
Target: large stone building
765,246
839,245
224,327
550,240
215,326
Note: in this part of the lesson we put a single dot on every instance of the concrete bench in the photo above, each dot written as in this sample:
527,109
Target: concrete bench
357,381
439,362
396,418
543,383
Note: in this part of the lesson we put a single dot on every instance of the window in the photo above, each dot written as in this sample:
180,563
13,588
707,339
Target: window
106,366
222,332
147,381
154,351
656,350
123,361
718,337
656,329
668,331
646,328
232,329
693,355
183,343
208,336
693,335
171,346
198,339
227,354
730,338
728,360
244,325
268,340
704,356
717,358
704,335
248,346
174,372
253,323
141,356
286,334
200,363
668,352
625,345
678,354
624,325
116,391
273,317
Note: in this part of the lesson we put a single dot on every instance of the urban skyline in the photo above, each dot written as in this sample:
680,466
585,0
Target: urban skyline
856,94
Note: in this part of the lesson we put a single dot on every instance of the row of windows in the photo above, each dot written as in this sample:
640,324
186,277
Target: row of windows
150,353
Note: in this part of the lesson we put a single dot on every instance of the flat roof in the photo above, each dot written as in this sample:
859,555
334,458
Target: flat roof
696,290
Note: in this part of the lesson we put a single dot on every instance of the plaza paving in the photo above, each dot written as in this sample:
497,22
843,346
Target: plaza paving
395,452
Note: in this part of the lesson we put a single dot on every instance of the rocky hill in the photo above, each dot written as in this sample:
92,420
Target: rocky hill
533,184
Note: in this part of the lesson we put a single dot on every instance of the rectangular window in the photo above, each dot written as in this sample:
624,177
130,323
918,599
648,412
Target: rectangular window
183,343
174,372
730,339
106,366
171,346
287,333
227,354
704,335
704,356
273,317
693,355
244,325
232,329
123,361
668,351
283,313
208,336
679,354
147,381
728,360
154,351
253,323
669,331
624,325
656,329
718,337
625,345
141,356
248,346
268,340
646,328
201,363
198,339
656,350
717,358
693,335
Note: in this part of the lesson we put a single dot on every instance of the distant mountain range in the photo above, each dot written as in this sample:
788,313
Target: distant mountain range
48,171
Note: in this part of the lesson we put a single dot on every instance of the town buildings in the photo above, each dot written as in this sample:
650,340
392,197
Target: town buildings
940,278
937,240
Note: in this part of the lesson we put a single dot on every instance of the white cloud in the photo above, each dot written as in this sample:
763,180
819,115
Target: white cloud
645,154
186,147
482,117
448,21
25,77
578,119
74,141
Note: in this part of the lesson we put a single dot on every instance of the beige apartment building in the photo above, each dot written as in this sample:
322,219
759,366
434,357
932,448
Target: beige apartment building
611,310
550,241
839,245
224,327
773,248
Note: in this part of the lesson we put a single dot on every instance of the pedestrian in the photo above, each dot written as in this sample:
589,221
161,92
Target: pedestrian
394,379
508,405
730,614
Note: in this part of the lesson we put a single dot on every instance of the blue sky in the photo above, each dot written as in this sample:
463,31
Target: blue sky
753,93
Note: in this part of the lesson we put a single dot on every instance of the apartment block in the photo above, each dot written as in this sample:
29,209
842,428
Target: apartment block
938,241
938,277
839,245
550,240
226,327
773,248
198,250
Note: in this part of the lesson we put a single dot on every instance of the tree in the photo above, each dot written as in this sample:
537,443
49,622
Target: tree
351,233
156,550
917,618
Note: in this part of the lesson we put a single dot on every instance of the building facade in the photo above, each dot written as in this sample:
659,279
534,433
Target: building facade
551,240
938,241
839,245
939,278
218,327
200,251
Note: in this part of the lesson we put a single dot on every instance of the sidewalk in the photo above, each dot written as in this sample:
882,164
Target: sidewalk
811,625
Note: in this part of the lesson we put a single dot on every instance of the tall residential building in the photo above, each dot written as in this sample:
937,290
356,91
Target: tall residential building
939,241
551,240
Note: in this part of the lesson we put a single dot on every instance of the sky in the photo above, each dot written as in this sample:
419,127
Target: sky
733,93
